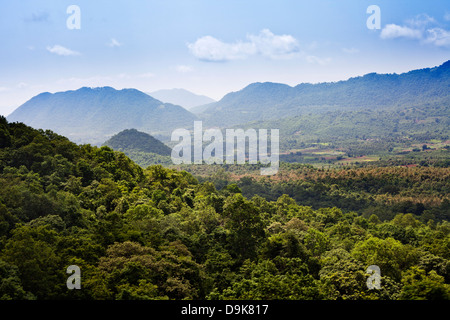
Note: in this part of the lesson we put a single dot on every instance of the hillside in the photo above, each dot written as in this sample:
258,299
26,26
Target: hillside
342,128
140,147
181,97
156,233
92,115
268,101
131,139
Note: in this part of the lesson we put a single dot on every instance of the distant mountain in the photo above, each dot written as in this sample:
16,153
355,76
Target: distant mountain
181,97
133,140
92,115
200,109
268,101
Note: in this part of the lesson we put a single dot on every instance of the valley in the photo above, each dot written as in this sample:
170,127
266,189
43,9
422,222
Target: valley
356,186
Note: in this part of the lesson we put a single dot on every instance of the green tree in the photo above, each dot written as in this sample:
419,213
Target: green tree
389,254
40,268
243,220
281,278
420,285
316,242
344,277
11,285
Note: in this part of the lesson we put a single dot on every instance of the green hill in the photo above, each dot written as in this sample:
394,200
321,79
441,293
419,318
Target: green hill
92,115
271,101
342,128
133,140
142,148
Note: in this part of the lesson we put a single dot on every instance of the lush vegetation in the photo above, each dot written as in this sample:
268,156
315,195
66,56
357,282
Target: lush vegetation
133,140
396,135
140,147
386,191
160,233
272,101
145,159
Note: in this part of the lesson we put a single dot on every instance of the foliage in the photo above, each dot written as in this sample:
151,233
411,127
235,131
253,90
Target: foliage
133,140
273,101
160,233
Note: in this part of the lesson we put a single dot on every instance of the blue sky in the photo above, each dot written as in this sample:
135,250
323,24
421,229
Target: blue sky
210,47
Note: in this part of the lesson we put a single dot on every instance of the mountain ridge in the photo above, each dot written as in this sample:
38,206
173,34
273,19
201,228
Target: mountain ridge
92,115
262,101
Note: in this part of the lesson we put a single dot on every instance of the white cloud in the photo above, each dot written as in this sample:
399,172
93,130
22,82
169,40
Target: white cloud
114,43
62,51
420,21
392,31
438,37
184,69
274,46
423,28
266,44
211,49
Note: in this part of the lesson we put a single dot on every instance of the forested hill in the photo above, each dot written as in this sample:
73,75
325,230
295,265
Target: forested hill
92,115
158,233
264,101
142,148
133,140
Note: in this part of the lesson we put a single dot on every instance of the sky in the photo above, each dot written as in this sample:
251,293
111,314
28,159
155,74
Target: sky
211,47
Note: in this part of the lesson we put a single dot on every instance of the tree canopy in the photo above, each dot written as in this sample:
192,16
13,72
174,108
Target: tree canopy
159,233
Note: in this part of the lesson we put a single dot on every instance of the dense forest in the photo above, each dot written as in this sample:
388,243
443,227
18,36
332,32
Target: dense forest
141,147
133,140
364,130
161,233
386,191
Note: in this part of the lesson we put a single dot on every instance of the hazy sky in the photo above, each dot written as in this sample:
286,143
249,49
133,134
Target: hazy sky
210,47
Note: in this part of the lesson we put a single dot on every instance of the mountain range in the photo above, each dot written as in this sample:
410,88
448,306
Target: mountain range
92,115
269,101
181,97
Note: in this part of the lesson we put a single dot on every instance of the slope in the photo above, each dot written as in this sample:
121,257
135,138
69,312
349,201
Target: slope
131,139
92,115
267,101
